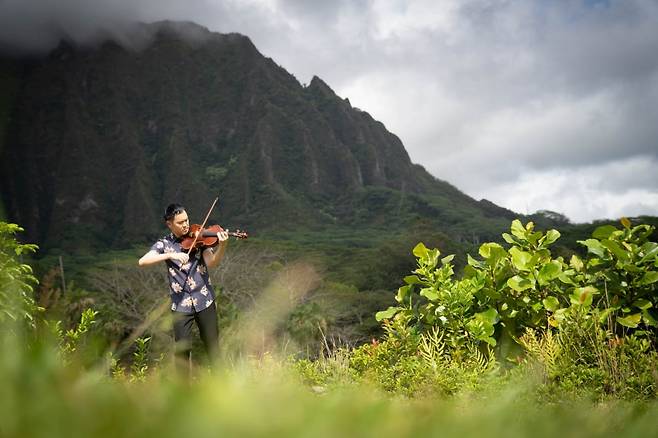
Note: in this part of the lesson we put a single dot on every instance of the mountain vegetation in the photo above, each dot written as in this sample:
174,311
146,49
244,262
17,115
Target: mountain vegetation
106,136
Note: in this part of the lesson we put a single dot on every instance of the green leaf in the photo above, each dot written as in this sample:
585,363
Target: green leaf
551,303
520,259
615,249
583,296
485,250
630,321
387,314
481,327
551,237
566,277
469,271
594,247
643,304
604,232
402,293
447,259
549,272
492,251
475,263
650,250
431,259
560,315
625,222
649,278
420,250
490,316
429,293
509,239
642,231
534,237
412,279
576,263
519,283
517,229
649,319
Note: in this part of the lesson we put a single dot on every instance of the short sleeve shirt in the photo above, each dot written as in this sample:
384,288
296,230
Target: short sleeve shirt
189,284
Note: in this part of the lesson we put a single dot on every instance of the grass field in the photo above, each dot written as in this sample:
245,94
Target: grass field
41,397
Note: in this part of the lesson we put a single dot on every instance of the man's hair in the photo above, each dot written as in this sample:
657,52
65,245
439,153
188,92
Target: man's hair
172,210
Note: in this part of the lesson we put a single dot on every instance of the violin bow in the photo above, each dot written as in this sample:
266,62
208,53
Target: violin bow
202,226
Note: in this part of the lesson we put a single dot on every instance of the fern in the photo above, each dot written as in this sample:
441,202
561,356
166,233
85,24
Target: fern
481,363
432,347
545,348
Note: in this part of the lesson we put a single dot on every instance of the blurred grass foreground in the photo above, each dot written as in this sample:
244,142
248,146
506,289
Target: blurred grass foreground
40,396
54,384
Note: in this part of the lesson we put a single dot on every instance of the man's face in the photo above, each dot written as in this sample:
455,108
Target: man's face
179,224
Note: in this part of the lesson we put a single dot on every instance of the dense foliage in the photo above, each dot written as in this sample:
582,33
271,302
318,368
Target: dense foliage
578,334
589,322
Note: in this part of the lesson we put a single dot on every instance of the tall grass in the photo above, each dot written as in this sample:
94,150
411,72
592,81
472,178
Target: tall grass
42,396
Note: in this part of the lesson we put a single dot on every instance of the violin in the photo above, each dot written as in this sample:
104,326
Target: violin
199,237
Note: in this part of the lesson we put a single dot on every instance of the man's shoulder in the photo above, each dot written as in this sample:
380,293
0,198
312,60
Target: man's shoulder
164,241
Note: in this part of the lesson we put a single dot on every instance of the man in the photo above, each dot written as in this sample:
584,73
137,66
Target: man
191,292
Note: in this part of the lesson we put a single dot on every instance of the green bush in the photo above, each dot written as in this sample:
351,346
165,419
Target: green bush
601,309
16,278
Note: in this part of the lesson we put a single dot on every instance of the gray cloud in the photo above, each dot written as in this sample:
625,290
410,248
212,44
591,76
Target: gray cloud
487,94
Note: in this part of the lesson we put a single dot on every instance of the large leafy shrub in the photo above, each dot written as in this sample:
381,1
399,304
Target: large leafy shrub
16,278
590,321
621,272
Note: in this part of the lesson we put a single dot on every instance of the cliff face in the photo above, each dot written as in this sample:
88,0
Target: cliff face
96,141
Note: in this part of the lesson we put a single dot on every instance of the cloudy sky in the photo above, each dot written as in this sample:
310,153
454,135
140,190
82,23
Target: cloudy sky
532,104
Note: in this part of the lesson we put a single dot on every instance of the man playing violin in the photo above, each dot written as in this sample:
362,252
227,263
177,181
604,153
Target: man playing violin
191,291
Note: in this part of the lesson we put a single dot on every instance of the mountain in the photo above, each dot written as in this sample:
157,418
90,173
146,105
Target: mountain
96,140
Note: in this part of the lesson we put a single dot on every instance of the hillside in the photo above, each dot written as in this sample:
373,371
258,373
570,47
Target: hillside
95,141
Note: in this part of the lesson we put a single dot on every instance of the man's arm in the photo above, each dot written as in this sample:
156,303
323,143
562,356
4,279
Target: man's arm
153,257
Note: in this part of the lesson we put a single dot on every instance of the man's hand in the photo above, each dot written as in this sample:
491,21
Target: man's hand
179,256
214,255
222,236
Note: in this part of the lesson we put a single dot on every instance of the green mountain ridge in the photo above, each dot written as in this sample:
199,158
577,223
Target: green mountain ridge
96,140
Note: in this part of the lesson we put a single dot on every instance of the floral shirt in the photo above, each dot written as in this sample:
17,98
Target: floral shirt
189,284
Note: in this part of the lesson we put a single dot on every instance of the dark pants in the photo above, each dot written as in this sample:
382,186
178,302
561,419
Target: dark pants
206,321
